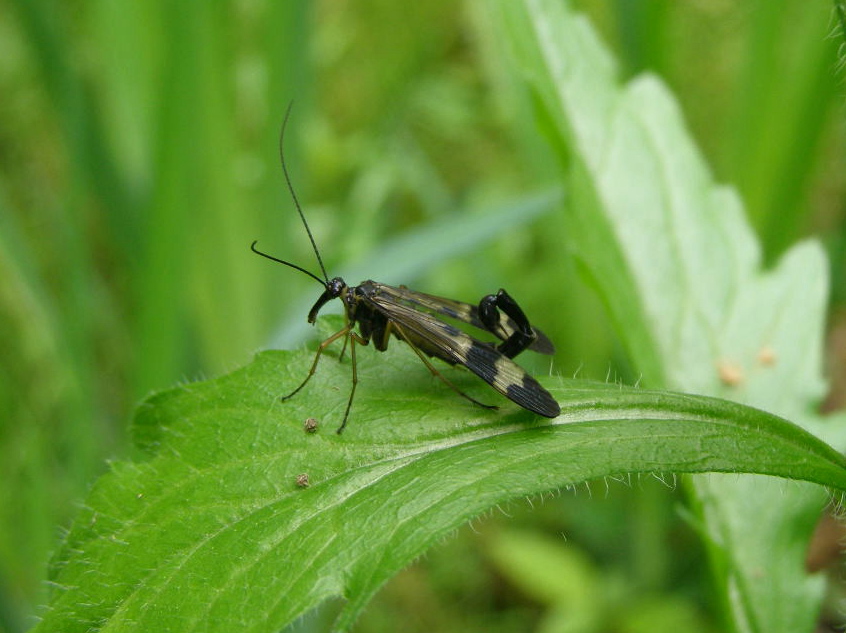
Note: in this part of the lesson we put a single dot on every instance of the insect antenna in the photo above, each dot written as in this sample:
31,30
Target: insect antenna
296,200
281,261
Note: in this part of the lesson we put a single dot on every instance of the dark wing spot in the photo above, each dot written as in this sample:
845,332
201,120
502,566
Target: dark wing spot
480,358
451,329
532,396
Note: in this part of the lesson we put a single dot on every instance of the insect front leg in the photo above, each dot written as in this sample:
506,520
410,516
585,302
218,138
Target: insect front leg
320,350
353,338
343,350
521,337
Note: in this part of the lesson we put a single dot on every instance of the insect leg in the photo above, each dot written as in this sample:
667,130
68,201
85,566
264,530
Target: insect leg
343,350
320,351
523,335
353,338
433,369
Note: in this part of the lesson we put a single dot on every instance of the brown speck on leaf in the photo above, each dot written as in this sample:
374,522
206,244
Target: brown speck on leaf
767,356
731,374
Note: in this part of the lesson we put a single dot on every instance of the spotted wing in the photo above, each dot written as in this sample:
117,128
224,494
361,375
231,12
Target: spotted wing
442,340
464,312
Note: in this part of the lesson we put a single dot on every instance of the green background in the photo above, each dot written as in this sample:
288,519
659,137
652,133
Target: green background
139,160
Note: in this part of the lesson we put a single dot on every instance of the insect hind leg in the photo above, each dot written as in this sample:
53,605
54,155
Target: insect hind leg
434,370
320,349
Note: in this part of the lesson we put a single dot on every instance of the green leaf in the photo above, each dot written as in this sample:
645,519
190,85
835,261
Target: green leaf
673,257
207,530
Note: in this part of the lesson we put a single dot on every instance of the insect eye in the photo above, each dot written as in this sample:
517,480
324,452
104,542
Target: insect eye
336,287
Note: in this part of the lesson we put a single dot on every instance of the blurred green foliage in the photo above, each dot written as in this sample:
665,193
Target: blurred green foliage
138,145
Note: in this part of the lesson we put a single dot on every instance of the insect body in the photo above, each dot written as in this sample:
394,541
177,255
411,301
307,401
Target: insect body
381,310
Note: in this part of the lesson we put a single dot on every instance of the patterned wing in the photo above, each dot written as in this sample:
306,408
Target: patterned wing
464,312
442,340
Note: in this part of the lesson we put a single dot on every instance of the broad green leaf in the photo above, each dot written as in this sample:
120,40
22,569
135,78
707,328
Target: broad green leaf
680,270
207,530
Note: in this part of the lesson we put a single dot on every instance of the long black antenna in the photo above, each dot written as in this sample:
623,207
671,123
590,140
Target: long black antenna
297,202
282,261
